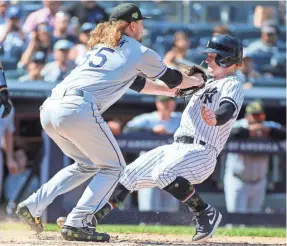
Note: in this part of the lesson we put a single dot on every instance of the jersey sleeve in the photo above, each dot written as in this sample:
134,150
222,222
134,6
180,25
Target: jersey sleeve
151,65
232,92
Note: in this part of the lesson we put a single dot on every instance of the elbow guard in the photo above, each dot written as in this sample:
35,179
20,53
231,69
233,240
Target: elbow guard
172,78
138,84
224,113
2,79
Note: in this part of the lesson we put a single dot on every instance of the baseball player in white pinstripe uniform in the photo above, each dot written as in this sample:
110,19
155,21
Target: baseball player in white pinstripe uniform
205,126
72,117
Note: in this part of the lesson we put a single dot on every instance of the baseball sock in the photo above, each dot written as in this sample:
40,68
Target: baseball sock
184,191
119,195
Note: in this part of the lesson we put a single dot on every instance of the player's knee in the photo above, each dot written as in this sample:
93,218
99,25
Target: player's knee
159,175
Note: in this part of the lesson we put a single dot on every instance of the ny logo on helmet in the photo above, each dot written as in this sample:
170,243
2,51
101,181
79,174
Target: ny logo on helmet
208,94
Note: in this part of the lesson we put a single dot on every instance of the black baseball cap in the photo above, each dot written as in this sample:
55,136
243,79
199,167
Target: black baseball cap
128,12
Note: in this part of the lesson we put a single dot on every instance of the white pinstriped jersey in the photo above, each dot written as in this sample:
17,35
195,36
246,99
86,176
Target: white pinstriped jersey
229,89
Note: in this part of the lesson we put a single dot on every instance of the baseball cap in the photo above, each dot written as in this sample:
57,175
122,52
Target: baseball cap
163,98
87,27
63,45
254,107
269,27
38,57
13,12
128,12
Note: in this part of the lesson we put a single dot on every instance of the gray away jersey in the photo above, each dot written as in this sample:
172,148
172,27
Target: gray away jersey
228,89
108,73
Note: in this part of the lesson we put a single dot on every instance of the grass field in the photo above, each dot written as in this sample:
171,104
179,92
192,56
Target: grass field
183,230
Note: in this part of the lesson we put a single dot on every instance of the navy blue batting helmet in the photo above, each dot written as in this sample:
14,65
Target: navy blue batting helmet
228,49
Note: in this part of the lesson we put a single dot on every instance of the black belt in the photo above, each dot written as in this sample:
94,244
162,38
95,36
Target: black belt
74,92
247,181
188,140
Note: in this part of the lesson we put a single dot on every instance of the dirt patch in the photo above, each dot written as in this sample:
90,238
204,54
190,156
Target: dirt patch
25,238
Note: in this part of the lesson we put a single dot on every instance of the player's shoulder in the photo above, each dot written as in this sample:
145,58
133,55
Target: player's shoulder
132,43
231,80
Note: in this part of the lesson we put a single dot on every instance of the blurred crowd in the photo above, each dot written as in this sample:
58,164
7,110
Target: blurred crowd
46,44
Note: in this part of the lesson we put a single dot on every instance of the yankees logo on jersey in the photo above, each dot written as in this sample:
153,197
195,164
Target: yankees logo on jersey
208,95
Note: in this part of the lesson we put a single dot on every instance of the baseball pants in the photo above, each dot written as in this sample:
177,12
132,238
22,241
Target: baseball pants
76,126
243,197
161,166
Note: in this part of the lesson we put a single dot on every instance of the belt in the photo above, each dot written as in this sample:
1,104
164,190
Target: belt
247,181
57,94
74,92
189,140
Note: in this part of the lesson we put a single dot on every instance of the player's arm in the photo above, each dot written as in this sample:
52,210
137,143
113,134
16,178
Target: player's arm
147,86
153,67
4,95
220,116
230,102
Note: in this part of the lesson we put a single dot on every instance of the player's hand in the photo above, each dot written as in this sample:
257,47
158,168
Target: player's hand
208,115
12,166
160,130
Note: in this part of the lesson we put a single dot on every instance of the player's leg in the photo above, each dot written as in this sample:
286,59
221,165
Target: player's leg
185,166
137,175
257,196
65,180
93,138
236,194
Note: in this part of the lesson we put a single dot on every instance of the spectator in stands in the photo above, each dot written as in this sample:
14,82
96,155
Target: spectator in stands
116,126
62,21
34,68
80,49
268,43
178,52
246,174
40,40
87,11
161,122
3,8
44,15
221,30
246,72
57,70
7,129
12,38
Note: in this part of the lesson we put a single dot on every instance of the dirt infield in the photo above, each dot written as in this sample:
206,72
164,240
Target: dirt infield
25,238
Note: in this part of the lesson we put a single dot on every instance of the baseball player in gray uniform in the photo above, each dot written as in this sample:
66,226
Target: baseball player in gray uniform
205,126
72,117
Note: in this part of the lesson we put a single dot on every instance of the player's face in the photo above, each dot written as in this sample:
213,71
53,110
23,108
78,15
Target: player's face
213,69
138,29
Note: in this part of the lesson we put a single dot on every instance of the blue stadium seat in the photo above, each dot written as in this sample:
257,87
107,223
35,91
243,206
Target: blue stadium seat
195,56
244,31
270,82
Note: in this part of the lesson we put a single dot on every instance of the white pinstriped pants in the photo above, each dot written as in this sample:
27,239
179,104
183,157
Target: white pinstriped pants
161,166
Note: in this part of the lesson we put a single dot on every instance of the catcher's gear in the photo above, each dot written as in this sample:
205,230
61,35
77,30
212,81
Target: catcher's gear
190,71
228,49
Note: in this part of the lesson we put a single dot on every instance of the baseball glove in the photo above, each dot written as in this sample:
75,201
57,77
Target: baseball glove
189,71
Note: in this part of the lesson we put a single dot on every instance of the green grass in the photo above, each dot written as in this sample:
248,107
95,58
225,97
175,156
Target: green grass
184,230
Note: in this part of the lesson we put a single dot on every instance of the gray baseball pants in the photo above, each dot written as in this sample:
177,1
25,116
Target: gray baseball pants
76,126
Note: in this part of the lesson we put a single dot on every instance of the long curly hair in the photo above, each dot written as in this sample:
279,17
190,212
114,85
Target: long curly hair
108,33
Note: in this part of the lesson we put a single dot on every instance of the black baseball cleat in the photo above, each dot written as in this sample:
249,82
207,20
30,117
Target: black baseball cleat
34,222
206,222
83,234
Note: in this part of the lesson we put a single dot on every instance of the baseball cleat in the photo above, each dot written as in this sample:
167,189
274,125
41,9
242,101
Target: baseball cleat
34,222
83,234
206,222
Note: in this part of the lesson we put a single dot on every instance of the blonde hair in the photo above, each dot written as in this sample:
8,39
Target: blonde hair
108,33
